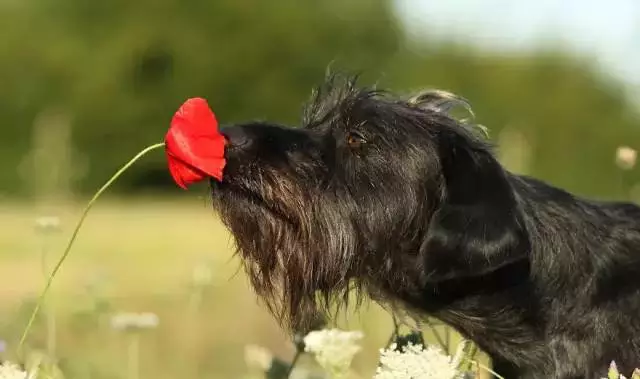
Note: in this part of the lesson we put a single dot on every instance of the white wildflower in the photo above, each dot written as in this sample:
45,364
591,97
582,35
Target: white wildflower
47,224
12,371
134,321
333,349
257,357
626,157
416,362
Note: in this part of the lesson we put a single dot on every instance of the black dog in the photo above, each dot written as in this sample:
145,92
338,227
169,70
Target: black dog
396,199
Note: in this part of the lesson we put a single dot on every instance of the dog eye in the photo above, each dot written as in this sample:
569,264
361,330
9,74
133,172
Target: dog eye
355,140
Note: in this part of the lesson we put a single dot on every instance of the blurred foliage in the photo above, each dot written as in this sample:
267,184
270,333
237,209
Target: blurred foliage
119,69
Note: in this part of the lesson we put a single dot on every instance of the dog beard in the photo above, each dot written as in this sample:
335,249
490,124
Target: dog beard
294,245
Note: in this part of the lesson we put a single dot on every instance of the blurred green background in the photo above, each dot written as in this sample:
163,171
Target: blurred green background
84,85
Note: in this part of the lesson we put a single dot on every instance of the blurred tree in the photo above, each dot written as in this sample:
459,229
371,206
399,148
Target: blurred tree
121,68
572,116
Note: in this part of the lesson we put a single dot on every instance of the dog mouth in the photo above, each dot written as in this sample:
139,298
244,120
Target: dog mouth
229,196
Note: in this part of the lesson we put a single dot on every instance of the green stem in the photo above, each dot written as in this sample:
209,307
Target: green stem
75,234
48,306
296,357
447,339
396,331
133,356
439,339
51,331
193,307
490,371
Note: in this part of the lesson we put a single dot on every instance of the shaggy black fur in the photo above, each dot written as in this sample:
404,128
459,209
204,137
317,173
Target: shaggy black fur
398,200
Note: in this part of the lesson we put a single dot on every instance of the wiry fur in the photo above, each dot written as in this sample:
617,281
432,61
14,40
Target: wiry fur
418,212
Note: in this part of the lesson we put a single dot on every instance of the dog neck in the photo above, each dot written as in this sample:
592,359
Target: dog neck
496,310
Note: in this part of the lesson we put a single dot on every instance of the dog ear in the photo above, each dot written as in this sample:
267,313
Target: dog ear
478,227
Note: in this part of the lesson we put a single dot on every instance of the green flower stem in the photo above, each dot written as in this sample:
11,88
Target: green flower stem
48,306
133,356
469,351
296,357
490,371
437,336
95,197
447,339
396,331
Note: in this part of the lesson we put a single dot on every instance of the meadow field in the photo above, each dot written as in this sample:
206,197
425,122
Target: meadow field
86,85
169,257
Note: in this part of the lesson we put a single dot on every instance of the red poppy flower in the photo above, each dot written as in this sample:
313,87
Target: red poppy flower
193,144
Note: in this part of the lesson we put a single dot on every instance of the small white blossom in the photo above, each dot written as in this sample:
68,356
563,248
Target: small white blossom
257,357
134,321
416,362
12,371
47,224
626,157
333,349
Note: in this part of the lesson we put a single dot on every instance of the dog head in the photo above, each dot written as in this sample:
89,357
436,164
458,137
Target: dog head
372,192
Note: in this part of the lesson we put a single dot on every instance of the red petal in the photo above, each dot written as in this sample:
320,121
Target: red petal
182,174
194,146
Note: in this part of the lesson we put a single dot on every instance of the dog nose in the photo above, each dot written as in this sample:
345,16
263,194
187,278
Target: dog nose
235,135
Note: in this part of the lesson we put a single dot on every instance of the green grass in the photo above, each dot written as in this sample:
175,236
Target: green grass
144,253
